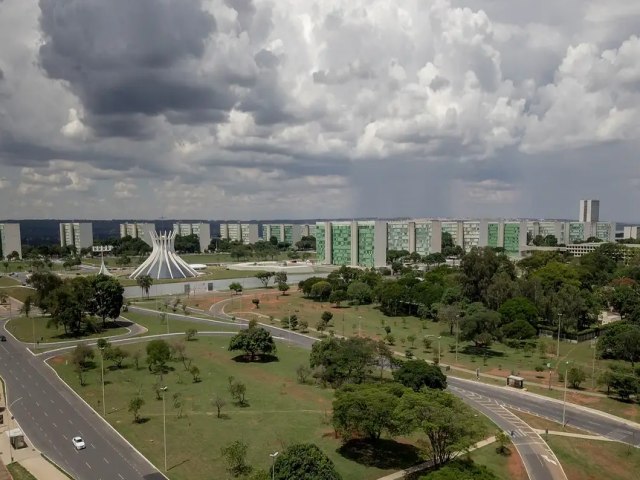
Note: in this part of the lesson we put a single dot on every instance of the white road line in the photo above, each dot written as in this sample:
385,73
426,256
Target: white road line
87,464
105,459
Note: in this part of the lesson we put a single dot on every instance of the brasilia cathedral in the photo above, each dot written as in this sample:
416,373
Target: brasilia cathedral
163,261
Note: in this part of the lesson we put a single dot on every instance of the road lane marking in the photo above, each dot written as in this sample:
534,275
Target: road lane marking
549,459
87,464
105,459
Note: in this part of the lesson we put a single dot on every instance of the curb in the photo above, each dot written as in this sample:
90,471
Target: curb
104,420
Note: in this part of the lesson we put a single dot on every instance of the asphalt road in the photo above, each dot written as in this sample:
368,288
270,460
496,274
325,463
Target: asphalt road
50,414
539,460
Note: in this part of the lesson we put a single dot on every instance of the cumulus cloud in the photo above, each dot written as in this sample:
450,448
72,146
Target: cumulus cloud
259,108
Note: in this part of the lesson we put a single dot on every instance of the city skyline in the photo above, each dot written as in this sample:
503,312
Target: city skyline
268,109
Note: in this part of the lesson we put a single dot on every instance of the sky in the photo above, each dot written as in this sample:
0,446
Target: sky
258,109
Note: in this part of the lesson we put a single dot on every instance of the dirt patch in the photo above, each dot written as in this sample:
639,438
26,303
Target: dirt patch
56,360
516,467
575,397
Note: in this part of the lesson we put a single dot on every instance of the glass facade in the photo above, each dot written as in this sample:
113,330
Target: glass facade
603,231
576,232
492,234
366,236
451,228
288,234
341,244
398,236
512,237
423,238
470,235
320,245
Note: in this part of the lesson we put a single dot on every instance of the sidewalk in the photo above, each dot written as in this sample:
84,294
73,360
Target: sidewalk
399,475
573,435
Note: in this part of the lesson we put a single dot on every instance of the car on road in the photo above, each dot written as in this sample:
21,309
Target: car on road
78,442
3,338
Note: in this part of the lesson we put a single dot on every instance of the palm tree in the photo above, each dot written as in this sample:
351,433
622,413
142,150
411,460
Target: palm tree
145,282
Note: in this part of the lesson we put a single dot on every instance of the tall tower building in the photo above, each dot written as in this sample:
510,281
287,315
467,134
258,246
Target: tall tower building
589,211
10,239
78,235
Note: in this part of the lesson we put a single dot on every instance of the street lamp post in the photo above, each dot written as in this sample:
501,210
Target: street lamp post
593,366
457,334
564,399
11,418
273,464
104,408
558,350
164,427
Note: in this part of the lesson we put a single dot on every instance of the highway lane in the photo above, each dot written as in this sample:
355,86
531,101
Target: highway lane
539,460
50,414
587,419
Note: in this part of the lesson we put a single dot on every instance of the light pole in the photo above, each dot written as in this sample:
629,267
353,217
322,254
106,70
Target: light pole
564,399
593,366
558,350
11,418
104,408
359,323
273,464
457,334
164,427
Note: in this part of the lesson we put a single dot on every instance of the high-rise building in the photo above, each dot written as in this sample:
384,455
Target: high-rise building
631,232
589,211
200,229
308,230
287,233
246,233
138,230
357,243
77,235
10,239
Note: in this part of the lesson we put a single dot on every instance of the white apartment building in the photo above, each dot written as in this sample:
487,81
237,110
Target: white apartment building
631,232
138,230
78,235
200,229
287,233
10,239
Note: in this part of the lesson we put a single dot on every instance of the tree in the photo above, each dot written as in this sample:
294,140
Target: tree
293,321
448,424
416,374
256,302
304,461
502,439
44,283
145,282
302,373
135,404
106,299
264,277
342,360
236,287
326,317
280,277
190,334
25,309
365,410
80,359
219,403
238,391
411,338
519,330
479,325
158,354
136,356
321,290
337,297
518,308
235,455
116,354
195,373
575,376
283,288
253,341
478,268
360,292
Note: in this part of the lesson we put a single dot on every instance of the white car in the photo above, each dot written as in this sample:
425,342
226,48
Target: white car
78,443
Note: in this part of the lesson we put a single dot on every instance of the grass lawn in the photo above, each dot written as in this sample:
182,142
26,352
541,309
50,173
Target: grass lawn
19,293
280,412
18,472
594,460
6,281
24,266
23,329
501,359
505,467
156,325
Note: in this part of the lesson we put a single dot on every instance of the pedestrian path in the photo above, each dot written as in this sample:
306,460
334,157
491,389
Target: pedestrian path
401,474
574,435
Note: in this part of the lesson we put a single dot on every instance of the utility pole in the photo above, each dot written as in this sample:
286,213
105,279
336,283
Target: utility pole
558,350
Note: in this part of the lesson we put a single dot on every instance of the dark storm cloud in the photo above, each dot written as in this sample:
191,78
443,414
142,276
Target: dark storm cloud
133,58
